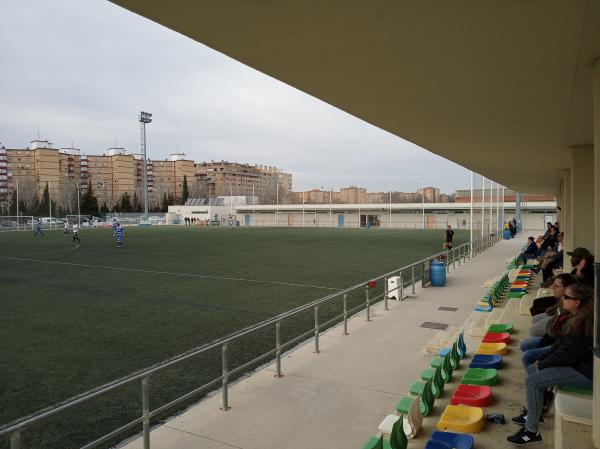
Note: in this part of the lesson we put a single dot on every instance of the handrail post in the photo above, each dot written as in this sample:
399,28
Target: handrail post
146,410
401,291
459,257
278,348
317,329
412,278
345,314
385,294
224,365
368,304
453,259
15,439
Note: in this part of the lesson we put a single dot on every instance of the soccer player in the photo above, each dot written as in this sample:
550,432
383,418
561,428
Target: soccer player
38,228
119,235
66,231
76,233
449,238
115,225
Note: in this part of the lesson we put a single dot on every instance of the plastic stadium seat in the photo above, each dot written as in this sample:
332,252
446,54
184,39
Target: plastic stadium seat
462,347
444,352
480,376
486,361
438,361
437,384
492,337
414,420
397,439
515,295
449,440
425,402
499,328
492,349
446,370
461,418
474,395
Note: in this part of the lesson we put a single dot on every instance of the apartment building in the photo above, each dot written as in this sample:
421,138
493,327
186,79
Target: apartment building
224,178
110,175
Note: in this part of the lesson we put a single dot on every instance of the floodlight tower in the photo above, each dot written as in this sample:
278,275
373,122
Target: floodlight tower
145,117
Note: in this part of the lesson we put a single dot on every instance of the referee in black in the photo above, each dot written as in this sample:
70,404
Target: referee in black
449,237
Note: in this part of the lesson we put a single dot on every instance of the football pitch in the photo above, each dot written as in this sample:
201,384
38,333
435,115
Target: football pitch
76,316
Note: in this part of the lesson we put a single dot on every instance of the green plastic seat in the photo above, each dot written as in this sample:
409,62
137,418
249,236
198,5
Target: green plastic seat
426,404
446,370
437,384
454,357
438,361
567,389
428,374
374,443
480,376
501,328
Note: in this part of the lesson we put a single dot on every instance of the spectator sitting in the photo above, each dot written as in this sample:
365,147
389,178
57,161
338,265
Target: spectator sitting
553,261
568,362
548,229
550,241
543,309
582,262
531,251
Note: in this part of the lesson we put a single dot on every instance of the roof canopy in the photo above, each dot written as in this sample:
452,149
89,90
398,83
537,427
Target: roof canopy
499,87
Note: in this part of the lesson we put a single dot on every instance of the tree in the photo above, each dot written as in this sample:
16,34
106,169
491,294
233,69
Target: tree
125,203
89,203
104,209
164,203
185,193
12,208
136,204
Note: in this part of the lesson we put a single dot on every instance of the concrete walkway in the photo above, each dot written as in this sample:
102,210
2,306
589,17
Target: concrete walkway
336,399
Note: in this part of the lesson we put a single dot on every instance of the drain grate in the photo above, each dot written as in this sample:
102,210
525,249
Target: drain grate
449,309
439,326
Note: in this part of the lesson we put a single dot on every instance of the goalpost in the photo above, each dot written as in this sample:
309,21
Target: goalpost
16,223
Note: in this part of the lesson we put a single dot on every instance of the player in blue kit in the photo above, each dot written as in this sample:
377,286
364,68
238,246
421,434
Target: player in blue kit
119,235
114,226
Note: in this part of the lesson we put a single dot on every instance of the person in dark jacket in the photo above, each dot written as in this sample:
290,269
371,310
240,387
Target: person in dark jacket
568,362
582,262
531,251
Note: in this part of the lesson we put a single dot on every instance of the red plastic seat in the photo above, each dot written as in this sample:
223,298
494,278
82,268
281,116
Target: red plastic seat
492,337
473,395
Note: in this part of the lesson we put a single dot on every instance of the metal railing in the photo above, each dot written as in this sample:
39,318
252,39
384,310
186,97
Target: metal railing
409,275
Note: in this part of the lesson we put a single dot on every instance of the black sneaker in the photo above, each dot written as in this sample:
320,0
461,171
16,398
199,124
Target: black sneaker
524,437
522,418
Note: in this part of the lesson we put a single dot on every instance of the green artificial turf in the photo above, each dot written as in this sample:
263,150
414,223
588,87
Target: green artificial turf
73,318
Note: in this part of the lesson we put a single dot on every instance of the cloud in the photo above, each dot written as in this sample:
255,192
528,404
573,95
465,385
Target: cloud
81,71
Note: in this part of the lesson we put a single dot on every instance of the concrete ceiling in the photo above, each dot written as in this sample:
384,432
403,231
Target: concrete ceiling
502,88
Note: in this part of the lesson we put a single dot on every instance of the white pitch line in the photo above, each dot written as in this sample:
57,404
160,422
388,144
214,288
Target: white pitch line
170,273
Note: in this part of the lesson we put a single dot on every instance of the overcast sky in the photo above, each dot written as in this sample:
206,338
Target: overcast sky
81,70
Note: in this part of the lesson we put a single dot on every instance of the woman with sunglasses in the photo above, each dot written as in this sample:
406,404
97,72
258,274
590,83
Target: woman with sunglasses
568,362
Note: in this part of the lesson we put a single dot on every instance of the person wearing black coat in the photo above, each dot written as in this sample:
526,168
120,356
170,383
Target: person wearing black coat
568,362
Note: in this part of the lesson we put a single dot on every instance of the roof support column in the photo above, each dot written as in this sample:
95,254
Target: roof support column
596,248
582,196
565,224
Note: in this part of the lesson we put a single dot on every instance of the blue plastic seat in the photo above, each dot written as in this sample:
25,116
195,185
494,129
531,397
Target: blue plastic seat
444,352
486,361
449,440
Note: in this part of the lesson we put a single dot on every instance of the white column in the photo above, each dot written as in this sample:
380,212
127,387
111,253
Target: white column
482,204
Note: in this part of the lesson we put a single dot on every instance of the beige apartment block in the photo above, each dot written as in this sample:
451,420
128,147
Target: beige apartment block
224,178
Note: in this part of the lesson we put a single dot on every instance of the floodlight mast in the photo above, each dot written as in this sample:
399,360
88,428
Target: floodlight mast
145,117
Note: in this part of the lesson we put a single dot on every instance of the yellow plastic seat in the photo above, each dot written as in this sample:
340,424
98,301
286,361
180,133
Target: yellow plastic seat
492,349
461,418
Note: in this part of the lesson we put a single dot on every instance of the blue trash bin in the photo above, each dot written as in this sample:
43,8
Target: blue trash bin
438,273
506,234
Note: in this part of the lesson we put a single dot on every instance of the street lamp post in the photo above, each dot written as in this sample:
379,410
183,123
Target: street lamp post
145,117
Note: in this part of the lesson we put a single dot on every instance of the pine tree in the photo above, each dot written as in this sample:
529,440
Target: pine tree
164,203
104,209
12,208
125,205
185,192
89,203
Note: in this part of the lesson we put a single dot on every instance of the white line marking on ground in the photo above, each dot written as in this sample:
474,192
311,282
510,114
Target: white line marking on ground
169,273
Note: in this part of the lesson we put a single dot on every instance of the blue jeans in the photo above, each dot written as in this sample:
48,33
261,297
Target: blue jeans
529,343
538,382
